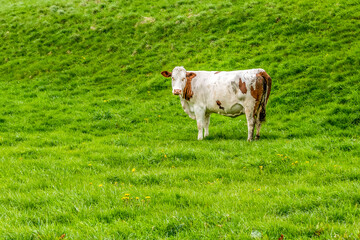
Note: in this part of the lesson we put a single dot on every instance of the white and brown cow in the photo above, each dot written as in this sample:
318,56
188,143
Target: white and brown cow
227,93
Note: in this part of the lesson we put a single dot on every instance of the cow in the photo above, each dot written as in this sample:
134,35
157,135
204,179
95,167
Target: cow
230,94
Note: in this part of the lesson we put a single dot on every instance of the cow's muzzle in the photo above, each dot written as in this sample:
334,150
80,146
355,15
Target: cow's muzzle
177,91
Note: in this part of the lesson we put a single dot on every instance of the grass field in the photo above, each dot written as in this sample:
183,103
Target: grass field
94,146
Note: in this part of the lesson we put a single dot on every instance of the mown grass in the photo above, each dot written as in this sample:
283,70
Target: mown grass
86,118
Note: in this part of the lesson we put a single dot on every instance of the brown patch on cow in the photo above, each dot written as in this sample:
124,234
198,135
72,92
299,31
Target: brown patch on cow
257,92
242,86
166,73
217,72
259,87
268,83
262,89
188,93
219,104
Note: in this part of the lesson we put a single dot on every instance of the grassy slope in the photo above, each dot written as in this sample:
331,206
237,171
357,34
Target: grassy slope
82,104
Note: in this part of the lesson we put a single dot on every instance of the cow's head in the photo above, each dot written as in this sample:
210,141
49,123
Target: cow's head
181,81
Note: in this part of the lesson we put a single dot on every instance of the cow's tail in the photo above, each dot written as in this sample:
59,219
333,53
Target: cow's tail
265,95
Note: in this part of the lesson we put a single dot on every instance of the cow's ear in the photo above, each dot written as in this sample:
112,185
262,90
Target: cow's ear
190,75
166,74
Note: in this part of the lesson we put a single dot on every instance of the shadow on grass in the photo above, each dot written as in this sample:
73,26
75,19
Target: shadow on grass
241,137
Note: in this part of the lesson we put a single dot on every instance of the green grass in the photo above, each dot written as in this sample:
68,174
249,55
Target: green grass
83,104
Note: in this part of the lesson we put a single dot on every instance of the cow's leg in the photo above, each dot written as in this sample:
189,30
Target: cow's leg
200,120
258,127
251,123
207,123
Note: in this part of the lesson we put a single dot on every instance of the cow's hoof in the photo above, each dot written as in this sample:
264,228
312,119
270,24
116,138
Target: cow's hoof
257,137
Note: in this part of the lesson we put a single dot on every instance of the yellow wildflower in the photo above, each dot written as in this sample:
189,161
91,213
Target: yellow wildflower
133,170
127,194
261,167
147,197
100,185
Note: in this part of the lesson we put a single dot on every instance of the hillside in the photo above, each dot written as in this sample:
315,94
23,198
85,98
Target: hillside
311,51
83,103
